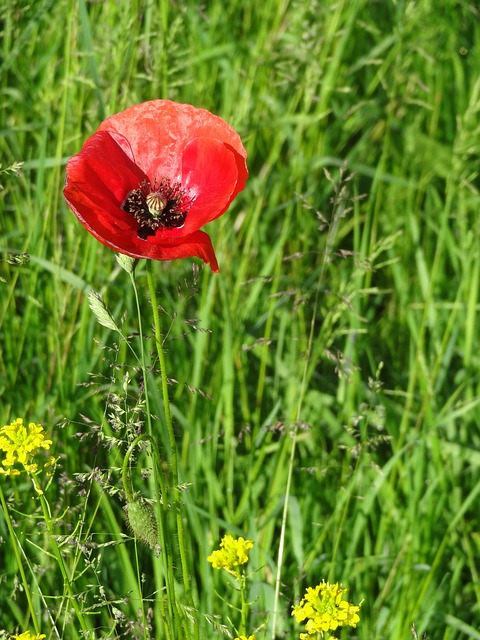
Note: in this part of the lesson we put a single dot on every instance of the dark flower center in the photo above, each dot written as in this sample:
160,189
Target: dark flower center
157,205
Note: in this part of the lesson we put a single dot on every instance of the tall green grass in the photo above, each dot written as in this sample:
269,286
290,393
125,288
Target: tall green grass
345,317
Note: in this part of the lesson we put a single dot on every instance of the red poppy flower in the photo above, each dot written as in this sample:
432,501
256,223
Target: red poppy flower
151,176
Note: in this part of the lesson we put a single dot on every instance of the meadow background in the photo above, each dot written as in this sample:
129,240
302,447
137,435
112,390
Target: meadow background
343,326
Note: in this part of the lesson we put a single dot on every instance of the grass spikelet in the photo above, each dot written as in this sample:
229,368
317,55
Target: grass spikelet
126,262
102,314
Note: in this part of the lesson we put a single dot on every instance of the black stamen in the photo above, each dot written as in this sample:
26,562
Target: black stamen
150,218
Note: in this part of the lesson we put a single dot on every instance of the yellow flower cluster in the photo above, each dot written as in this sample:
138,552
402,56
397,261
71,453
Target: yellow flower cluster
26,635
232,554
245,638
20,444
324,610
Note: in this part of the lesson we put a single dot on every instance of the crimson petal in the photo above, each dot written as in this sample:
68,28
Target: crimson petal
210,176
159,130
196,244
98,179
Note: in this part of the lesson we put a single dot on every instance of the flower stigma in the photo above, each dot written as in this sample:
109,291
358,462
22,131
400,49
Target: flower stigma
160,205
156,203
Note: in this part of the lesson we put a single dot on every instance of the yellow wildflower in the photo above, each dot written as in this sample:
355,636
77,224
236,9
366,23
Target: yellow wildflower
324,609
20,444
231,555
245,638
26,635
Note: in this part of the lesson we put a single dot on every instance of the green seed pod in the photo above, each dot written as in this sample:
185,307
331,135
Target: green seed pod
142,520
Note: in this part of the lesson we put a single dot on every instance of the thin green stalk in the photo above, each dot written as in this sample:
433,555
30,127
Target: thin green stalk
161,514
146,633
68,584
244,606
339,205
127,482
173,445
158,480
18,558
281,544
164,11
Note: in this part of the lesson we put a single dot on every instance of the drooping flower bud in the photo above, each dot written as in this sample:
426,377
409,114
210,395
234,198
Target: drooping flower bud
142,520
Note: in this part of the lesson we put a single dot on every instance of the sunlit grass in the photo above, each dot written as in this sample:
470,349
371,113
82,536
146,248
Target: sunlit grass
346,310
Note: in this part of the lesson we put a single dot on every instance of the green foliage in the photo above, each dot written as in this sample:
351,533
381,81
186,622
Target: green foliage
345,315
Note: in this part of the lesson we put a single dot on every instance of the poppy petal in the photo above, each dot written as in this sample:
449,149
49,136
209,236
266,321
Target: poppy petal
210,176
197,244
159,130
98,179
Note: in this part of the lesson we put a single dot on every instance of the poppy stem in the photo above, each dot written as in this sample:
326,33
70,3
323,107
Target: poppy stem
159,487
173,445
127,481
